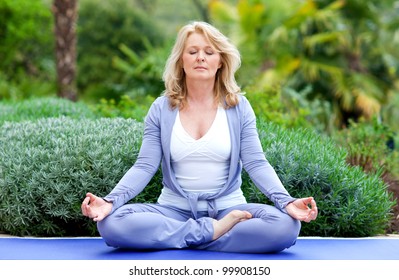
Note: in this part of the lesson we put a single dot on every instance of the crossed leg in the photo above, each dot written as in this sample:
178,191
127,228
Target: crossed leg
268,231
245,228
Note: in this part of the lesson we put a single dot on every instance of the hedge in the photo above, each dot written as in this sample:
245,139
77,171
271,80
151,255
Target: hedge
351,202
48,165
43,107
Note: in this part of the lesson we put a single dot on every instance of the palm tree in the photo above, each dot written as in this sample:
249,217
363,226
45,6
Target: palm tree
65,17
327,45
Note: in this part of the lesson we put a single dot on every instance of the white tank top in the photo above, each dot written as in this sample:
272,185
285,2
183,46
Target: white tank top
201,165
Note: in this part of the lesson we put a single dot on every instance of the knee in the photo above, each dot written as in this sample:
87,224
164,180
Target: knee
112,227
289,229
108,231
284,231
102,226
282,222
293,226
275,233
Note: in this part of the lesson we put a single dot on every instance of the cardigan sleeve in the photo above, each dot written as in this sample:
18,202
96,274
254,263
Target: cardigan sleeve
254,160
146,165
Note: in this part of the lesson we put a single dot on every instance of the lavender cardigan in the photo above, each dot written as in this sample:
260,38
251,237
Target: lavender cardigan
246,153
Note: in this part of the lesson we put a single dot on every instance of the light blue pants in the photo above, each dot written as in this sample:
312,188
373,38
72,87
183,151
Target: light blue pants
152,226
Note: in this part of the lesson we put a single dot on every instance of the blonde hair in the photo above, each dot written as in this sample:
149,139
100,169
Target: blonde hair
226,88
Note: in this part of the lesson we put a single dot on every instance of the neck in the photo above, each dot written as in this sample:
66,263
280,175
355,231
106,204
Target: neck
200,91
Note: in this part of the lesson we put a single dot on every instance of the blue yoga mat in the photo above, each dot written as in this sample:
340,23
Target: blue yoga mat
306,248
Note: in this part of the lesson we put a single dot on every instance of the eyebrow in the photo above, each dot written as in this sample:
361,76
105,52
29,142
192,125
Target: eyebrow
199,47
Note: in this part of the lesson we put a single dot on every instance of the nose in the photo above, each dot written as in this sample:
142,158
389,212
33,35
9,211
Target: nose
201,57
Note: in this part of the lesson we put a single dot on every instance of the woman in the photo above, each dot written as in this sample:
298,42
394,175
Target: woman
203,132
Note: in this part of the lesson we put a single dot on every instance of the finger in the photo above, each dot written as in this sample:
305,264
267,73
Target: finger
313,203
98,218
92,215
312,216
314,207
84,205
316,212
308,219
309,200
305,202
87,211
307,216
91,196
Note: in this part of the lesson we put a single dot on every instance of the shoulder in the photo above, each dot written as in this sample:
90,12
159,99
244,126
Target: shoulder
160,109
243,105
245,111
155,109
160,101
242,113
159,104
243,100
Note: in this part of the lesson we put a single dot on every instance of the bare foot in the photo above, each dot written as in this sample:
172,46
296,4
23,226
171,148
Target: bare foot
227,222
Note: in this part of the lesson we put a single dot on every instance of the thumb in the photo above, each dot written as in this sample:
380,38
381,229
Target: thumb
91,196
98,218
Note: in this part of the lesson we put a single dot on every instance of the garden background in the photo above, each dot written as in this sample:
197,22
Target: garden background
77,77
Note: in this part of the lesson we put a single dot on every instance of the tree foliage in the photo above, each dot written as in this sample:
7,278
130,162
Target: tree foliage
338,48
26,52
102,27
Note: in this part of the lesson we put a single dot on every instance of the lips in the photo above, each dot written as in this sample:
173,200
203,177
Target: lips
200,68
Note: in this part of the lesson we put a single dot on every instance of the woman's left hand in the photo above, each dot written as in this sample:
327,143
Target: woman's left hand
303,209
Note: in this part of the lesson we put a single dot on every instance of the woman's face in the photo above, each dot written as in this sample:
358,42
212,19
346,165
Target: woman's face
200,60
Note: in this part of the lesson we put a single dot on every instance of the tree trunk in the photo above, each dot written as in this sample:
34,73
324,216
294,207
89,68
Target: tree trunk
65,17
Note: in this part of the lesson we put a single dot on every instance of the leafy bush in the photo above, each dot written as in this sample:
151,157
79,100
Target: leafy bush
25,86
36,108
102,27
141,73
370,145
47,166
26,60
289,108
351,203
25,34
126,107
270,105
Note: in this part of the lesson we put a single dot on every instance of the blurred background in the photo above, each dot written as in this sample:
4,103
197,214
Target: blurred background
327,62
328,66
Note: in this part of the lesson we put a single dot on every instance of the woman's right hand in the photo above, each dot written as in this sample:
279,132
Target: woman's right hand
95,207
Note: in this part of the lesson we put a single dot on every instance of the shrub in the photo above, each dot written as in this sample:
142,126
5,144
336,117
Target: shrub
48,165
24,87
25,36
36,108
370,145
126,107
26,47
272,105
141,74
290,108
351,203
102,27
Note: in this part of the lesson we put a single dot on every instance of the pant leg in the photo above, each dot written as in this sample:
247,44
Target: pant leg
152,226
269,231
